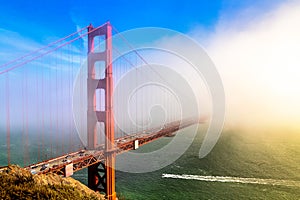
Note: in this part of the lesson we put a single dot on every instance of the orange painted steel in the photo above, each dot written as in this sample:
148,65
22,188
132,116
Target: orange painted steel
110,154
105,116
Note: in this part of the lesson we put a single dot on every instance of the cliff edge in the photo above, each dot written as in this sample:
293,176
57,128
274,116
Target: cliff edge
17,183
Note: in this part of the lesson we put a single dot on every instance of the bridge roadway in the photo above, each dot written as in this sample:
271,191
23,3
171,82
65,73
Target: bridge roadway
66,165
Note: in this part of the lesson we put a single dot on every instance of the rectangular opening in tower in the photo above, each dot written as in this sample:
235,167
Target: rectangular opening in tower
99,43
100,99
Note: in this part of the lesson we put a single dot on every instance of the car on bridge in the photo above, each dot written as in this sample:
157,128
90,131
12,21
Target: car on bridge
43,168
66,161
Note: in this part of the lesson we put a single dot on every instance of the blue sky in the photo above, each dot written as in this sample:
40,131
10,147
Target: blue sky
262,34
42,20
29,25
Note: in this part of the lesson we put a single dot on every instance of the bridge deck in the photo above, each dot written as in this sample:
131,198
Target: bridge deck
85,158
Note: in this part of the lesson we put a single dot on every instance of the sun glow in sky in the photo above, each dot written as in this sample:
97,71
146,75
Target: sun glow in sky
254,44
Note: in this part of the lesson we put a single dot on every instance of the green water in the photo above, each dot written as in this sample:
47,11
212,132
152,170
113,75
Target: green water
39,147
258,155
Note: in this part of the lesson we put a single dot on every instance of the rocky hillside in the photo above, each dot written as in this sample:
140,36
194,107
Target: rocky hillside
17,183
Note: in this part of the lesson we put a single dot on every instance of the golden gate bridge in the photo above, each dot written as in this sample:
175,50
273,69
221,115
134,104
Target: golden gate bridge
38,99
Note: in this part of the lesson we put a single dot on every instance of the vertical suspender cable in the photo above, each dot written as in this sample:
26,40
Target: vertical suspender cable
81,94
62,107
137,96
43,151
70,61
50,114
62,104
23,118
27,158
37,113
7,119
56,104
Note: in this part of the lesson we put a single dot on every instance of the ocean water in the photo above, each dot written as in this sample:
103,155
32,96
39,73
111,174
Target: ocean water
35,147
241,166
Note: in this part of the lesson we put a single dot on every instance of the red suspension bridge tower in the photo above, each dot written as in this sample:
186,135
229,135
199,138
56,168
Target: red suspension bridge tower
101,176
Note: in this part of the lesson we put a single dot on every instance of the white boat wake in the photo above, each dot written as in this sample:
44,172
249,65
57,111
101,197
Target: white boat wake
228,179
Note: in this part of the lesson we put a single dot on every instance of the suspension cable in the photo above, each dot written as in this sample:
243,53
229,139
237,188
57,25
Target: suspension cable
137,53
49,51
42,48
